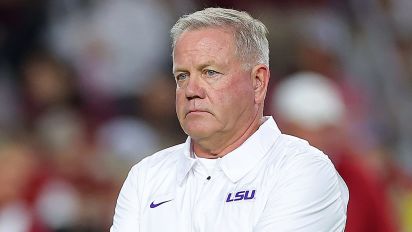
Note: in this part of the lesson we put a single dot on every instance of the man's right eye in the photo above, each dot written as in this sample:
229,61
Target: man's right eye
181,76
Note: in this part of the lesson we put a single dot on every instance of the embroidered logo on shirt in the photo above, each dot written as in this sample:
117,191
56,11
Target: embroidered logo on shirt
154,205
241,195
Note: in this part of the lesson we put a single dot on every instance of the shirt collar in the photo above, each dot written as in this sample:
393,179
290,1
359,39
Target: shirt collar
240,161
185,162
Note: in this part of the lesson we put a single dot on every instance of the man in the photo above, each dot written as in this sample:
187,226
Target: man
236,171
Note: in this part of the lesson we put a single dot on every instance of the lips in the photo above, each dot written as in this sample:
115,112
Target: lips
196,112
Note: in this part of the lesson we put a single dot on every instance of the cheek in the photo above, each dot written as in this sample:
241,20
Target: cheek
236,96
179,103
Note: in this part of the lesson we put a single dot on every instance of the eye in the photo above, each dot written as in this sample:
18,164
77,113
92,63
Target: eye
210,73
181,76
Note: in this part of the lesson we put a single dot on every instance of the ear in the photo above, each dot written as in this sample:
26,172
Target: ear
260,78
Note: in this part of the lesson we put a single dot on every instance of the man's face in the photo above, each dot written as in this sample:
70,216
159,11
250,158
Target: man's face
214,94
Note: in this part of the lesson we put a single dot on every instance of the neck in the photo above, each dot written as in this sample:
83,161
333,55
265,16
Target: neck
218,148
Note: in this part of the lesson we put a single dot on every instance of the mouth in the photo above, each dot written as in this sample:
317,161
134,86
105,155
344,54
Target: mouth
196,112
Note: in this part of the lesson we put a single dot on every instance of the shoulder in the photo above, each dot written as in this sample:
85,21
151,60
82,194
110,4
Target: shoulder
304,188
301,165
292,152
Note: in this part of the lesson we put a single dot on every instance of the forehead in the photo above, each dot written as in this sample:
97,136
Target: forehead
210,40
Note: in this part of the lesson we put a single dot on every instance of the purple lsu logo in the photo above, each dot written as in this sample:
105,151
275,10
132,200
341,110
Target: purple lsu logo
241,195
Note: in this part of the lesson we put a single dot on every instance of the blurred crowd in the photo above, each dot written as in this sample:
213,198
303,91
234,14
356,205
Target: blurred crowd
86,91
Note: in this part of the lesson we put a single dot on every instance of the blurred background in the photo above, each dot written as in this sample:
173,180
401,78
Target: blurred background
86,91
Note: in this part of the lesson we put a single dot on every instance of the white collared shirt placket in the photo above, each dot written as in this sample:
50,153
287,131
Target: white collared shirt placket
203,192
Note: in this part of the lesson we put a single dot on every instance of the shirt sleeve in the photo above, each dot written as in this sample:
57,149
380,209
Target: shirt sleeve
310,196
126,217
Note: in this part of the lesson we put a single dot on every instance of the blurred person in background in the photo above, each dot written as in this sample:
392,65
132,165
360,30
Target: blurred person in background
48,85
17,168
236,171
309,105
68,160
63,128
111,44
323,45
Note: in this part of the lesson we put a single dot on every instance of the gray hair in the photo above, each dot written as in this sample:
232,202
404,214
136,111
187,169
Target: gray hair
252,46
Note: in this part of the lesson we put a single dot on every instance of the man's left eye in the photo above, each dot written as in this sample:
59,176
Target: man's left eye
211,73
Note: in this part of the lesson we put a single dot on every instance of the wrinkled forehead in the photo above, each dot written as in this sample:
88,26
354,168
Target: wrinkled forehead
216,42
213,42
219,31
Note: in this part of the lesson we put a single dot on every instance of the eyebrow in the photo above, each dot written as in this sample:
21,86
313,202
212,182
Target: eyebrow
199,67
178,70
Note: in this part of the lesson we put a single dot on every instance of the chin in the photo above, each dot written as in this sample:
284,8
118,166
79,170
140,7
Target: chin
197,133
201,125
198,130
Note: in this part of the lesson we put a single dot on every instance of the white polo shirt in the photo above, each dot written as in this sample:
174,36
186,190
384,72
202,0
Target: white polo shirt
272,182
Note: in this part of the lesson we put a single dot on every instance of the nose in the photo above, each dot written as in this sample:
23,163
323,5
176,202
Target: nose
194,88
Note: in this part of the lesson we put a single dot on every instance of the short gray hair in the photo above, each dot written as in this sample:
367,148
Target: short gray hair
252,46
